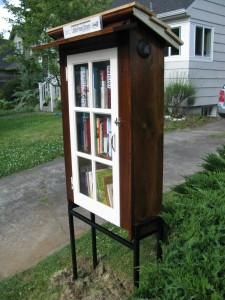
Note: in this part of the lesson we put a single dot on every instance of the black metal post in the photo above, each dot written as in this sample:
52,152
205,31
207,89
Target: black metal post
133,245
72,243
94,247
136,255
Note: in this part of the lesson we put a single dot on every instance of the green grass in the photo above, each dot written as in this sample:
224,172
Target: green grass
193,265
27,140
35,283
190,121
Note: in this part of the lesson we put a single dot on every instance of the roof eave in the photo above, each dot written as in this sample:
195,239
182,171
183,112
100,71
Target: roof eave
179,13
132,9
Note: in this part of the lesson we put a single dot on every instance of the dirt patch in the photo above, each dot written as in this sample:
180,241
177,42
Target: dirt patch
99,284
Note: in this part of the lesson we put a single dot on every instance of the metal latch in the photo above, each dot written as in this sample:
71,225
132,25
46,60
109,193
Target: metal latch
118,121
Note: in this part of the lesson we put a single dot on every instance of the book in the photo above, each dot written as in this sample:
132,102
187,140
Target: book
86,133
109,188
103,136
83,86
109,86
104,92
108,181
101,174
89,179
97,87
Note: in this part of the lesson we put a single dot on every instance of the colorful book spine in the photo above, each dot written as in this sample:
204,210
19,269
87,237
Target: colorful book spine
83,86
109,86
104,95
86,133
103,136
97,87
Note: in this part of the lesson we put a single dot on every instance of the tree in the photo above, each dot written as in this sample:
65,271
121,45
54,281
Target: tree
30,21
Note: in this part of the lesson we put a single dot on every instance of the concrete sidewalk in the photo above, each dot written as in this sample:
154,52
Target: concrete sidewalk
33,207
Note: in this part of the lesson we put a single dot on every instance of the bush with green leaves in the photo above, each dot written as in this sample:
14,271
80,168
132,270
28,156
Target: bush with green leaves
6,105
193,265
10,88
177,92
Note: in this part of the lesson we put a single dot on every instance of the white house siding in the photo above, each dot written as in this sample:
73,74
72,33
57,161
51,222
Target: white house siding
178,66
207,74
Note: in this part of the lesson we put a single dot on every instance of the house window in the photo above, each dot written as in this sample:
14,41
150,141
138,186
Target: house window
203,41
171,51
19,46
207,111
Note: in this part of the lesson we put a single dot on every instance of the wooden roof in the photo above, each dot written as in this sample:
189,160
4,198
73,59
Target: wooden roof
113,20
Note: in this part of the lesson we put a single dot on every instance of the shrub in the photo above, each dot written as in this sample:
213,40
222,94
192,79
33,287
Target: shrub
6,105
215,162
193,265
10,88
26,98
58,104
176,93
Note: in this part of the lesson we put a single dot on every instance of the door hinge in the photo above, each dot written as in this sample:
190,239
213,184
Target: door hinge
71,183
66,73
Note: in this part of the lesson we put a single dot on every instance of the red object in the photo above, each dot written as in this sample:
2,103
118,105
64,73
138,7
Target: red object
221,97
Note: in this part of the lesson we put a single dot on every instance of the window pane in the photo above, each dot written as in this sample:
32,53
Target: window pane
83,132
198,41
166,51
85,177
104,184
103,141
102,84
207,42
175,51
81,85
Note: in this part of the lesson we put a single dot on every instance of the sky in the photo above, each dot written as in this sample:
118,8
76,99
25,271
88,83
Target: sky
4,25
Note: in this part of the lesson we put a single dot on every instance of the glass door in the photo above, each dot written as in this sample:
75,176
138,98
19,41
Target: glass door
93,105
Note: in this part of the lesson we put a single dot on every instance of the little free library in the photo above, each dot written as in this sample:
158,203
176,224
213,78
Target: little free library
112,91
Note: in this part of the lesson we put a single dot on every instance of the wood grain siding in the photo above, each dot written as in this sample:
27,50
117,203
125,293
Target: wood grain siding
125,130
147,127
66,126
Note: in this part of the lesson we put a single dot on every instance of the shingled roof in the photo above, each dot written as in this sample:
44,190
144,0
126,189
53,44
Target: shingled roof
158,6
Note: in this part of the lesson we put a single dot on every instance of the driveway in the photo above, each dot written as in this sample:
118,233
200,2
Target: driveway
33,208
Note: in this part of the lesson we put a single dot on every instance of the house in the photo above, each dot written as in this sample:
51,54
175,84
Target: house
49,91
8,70
200,25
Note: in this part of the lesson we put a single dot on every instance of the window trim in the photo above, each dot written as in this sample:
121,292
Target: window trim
170,48
202,56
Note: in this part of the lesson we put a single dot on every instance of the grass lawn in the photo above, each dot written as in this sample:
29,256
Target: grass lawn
27,140
190,121
193,264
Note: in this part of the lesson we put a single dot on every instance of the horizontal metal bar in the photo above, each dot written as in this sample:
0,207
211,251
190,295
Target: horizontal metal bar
116,237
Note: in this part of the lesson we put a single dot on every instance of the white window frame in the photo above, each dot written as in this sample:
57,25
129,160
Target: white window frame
108,213
202,56
170,48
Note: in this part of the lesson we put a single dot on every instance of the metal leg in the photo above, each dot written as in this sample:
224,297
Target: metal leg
94,247
160,235
133,245
72,244
136,256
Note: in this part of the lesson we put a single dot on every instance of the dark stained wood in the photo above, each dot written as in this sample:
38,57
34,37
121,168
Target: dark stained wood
141,107
125,130
62,41
147,82
66,126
